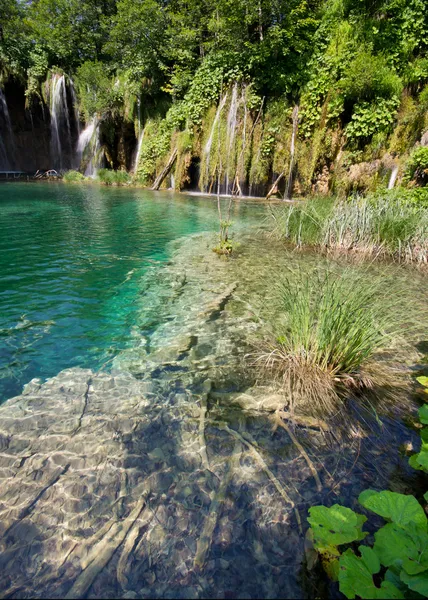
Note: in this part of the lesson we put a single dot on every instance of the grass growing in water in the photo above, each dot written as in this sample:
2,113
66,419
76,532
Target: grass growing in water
331,326
377,227
73,177
109,177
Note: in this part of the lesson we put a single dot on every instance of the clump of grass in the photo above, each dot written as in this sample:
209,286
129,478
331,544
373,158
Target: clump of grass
373,226
73,177
332,325
109,177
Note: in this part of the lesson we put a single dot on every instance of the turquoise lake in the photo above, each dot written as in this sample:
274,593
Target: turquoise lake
72,259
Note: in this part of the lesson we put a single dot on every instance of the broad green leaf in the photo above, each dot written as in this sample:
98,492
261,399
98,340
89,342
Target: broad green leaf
426,496
413,462
423,380
417,583
398,508
422,459
423,414
356,576
336,525
407,546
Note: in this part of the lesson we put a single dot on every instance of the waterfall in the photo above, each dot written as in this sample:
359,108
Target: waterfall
140,137
137,155
7,142
207,149
231,129
394,173
59,118
89,144
289,188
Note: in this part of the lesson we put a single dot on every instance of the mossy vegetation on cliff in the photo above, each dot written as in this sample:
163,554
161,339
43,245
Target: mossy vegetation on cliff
358,73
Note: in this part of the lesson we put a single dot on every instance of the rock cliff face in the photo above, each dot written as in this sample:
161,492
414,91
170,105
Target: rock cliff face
31,131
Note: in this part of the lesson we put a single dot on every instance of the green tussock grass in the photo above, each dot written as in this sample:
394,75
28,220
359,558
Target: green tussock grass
330,327
376,227
73,177
108,177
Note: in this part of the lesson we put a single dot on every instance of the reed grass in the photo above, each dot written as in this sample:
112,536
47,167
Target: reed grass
331,327
109,177
374,227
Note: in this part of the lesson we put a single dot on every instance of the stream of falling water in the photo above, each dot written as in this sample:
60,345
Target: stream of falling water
393,177
7,150
59,117
231,129
89,140
289,188
208,145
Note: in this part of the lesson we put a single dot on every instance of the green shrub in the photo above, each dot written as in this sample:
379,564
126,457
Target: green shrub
109,177
73,177
417,166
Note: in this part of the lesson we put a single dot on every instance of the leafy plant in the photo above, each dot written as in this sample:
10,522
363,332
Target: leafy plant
417,166
395,566
370,118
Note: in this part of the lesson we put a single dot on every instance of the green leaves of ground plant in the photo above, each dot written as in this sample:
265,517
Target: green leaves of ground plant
356,576
401,545
394,507
336,525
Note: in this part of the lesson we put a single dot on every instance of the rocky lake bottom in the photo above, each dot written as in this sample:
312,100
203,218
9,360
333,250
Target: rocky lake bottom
167,475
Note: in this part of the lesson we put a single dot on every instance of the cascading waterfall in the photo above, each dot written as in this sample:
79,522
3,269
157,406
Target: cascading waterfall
138,153
7,142
208,145
140,137
231,129
59,117
89,143
289,188
393,177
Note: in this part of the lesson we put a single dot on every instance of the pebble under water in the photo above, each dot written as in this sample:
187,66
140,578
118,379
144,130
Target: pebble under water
71,262
163,473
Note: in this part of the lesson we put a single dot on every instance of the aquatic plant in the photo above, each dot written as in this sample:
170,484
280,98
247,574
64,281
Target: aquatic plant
331,325
374,226
398,558
108,177
73,177
396,565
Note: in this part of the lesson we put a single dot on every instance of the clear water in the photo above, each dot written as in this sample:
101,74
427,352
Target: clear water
72,260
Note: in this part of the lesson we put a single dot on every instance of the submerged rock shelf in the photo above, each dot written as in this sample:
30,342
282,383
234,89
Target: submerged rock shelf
166,477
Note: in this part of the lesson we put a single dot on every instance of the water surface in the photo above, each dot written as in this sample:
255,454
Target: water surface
72,260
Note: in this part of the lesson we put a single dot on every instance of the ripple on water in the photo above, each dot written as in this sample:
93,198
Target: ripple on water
65,256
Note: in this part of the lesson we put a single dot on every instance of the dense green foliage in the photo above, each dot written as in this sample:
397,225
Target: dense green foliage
396,565
357,70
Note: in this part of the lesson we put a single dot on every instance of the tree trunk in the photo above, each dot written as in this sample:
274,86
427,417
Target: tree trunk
165,170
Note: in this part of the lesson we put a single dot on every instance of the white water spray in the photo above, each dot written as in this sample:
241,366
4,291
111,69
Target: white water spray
208,145
231,129
59,118
393,177
138,153
89,144
289,188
